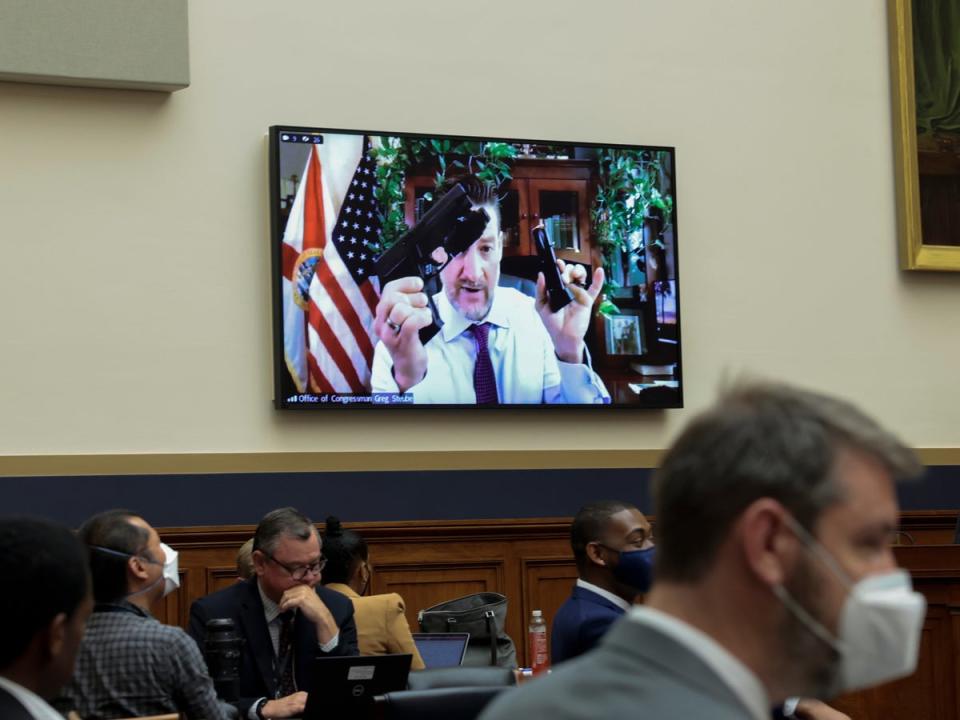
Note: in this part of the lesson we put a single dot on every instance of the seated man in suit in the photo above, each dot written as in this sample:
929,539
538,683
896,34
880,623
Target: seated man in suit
613,548
129,663
775,572
284,616
45,601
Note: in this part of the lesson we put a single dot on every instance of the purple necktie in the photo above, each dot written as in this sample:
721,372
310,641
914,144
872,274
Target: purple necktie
484,382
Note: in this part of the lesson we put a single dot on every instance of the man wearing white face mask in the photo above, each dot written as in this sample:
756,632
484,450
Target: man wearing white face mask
775,574
129,664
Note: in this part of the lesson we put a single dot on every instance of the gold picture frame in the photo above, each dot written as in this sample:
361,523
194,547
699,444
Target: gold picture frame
915,254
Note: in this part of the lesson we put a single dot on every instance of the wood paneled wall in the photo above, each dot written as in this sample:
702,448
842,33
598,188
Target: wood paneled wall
529,561
931,693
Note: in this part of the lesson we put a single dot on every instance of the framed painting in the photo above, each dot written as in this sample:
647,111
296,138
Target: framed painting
925,64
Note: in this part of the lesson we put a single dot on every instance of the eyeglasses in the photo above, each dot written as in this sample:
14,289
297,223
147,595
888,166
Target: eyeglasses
299,572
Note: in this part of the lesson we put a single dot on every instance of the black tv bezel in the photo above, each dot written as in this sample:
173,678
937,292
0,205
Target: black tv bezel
276,284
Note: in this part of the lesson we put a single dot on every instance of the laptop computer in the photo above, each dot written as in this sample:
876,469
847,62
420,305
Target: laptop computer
344,683
440,650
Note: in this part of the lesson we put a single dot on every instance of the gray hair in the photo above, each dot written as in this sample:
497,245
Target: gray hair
759,440
279,523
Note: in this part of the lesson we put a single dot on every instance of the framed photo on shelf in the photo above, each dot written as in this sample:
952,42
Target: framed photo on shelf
624,335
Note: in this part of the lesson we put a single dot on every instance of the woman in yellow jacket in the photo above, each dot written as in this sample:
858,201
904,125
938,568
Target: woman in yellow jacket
381,624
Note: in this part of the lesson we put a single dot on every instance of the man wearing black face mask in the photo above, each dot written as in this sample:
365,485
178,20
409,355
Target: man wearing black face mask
613,547
129,664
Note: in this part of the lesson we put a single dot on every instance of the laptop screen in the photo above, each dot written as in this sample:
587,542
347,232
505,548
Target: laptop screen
440,650
344,682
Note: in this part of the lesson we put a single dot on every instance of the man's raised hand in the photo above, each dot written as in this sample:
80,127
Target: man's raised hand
568,326
401,312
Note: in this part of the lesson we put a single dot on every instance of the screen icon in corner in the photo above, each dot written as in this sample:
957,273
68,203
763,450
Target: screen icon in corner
308,139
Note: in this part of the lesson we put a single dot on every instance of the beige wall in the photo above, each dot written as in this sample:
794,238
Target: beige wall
134,282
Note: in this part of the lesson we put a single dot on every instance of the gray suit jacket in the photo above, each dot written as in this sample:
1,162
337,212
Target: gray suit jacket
635,672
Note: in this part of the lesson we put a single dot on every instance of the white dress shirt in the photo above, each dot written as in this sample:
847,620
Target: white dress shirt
615,599
38,707
737,676
271,613
525,364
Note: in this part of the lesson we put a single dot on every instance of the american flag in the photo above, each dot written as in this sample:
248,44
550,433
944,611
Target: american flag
342,288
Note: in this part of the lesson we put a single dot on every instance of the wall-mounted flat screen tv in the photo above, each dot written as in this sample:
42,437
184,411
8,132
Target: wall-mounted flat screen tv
437,270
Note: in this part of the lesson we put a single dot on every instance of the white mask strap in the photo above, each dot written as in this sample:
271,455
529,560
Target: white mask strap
813,545
811,623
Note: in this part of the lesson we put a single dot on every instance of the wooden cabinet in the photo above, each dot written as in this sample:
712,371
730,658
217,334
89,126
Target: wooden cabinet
555,192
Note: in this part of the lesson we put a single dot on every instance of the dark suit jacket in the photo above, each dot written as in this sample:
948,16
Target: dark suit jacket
581,621
11,709
242,603
636,671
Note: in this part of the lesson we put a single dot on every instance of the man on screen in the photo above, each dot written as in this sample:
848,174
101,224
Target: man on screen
497,345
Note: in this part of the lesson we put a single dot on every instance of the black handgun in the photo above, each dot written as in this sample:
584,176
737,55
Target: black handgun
558,294
451,224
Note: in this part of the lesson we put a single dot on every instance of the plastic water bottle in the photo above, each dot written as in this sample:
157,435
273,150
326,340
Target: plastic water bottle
537,643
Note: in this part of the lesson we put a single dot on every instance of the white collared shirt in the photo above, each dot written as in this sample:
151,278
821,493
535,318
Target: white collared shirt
615,599
525,364
737,676
271,613
38,707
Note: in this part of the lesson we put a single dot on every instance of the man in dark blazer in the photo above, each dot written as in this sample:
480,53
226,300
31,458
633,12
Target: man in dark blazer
286,618
612,546
45,600
775,574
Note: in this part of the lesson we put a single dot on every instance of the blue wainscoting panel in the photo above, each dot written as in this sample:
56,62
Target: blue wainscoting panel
238,499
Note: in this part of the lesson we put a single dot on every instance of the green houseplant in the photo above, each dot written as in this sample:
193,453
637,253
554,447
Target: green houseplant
628,196
489,161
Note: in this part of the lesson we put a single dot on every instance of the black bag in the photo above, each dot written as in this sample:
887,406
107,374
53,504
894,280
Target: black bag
483,616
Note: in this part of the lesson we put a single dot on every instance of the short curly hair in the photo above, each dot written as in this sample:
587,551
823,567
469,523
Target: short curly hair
45,573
